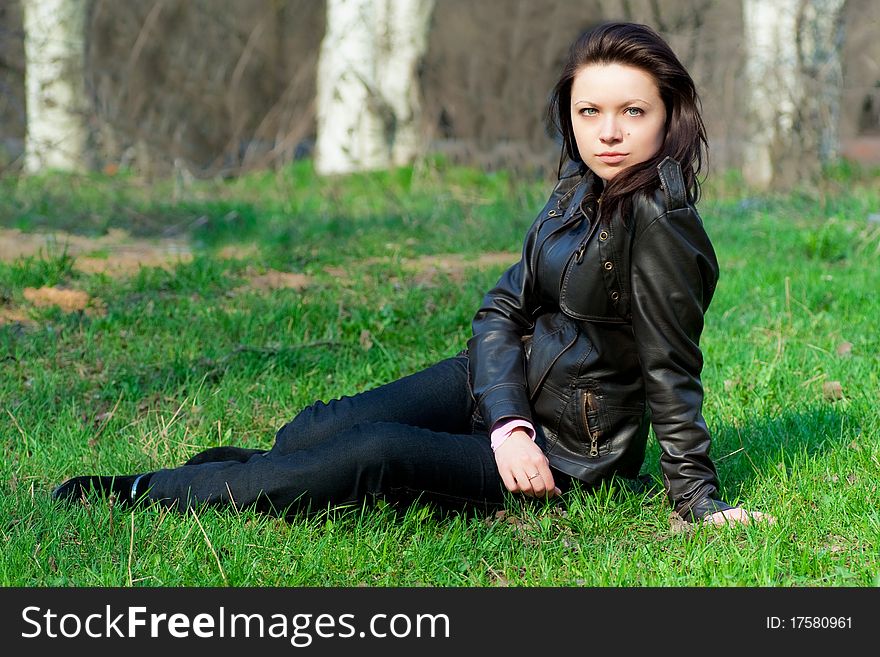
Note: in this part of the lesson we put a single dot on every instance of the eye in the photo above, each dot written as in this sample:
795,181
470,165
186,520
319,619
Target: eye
588,111
633,111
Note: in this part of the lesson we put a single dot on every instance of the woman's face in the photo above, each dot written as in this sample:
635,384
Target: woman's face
618,117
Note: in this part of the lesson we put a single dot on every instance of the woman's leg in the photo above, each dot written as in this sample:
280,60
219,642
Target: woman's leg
408,422
224,453
436,398
364,462
424,399
398,401
413,434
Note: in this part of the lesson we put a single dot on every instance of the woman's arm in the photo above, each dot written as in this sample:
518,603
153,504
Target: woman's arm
674,272
497,363
506,314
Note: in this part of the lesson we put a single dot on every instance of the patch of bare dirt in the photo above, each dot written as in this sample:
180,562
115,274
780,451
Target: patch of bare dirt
679,525
13,315
67,300
116,253
425,269
239,251
274,280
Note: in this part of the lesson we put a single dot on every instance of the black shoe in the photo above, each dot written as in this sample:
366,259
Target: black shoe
217,454
117,486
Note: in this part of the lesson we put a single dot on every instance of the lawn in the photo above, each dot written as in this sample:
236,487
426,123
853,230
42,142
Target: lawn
279,288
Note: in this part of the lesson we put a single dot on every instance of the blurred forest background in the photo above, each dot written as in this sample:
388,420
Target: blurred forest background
219,87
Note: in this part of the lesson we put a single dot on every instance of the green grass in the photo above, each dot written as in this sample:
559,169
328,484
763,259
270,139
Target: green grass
182,360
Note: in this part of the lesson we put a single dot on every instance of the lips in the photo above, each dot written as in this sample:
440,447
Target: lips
612,157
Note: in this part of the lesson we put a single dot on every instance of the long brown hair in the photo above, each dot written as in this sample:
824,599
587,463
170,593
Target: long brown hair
639,46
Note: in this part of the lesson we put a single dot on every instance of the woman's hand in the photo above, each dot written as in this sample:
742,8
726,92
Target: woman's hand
737,515
523,467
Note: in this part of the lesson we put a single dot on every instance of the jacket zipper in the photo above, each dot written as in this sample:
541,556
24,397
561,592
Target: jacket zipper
589,404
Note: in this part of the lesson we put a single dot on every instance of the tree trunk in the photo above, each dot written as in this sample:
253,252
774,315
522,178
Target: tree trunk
368,89
795,77
55,84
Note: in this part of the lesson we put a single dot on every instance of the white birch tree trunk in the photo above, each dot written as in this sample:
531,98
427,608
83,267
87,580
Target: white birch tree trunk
820,53
368,100
793,50
55,84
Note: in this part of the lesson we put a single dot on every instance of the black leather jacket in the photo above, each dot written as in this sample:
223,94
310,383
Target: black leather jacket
594,335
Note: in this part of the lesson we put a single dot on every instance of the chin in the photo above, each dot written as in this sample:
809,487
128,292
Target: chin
607,174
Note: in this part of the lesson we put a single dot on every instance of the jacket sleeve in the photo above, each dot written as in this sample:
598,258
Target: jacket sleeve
495,350
674,273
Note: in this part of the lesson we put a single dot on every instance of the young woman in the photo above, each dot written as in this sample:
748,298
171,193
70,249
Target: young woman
586,342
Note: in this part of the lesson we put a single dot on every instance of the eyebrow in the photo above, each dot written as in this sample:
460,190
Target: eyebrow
627,102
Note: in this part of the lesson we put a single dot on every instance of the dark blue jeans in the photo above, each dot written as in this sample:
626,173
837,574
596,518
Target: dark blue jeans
419,436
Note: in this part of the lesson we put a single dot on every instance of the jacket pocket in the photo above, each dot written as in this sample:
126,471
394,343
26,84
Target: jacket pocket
554,335
590,424
582,428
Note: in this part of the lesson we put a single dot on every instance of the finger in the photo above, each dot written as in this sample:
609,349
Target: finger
509,481
727,517
549,492
530,482
542,488
541,480
760,516
738,515
546,474
539,486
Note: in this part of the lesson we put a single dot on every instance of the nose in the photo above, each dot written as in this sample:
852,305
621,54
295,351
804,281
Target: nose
610,132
